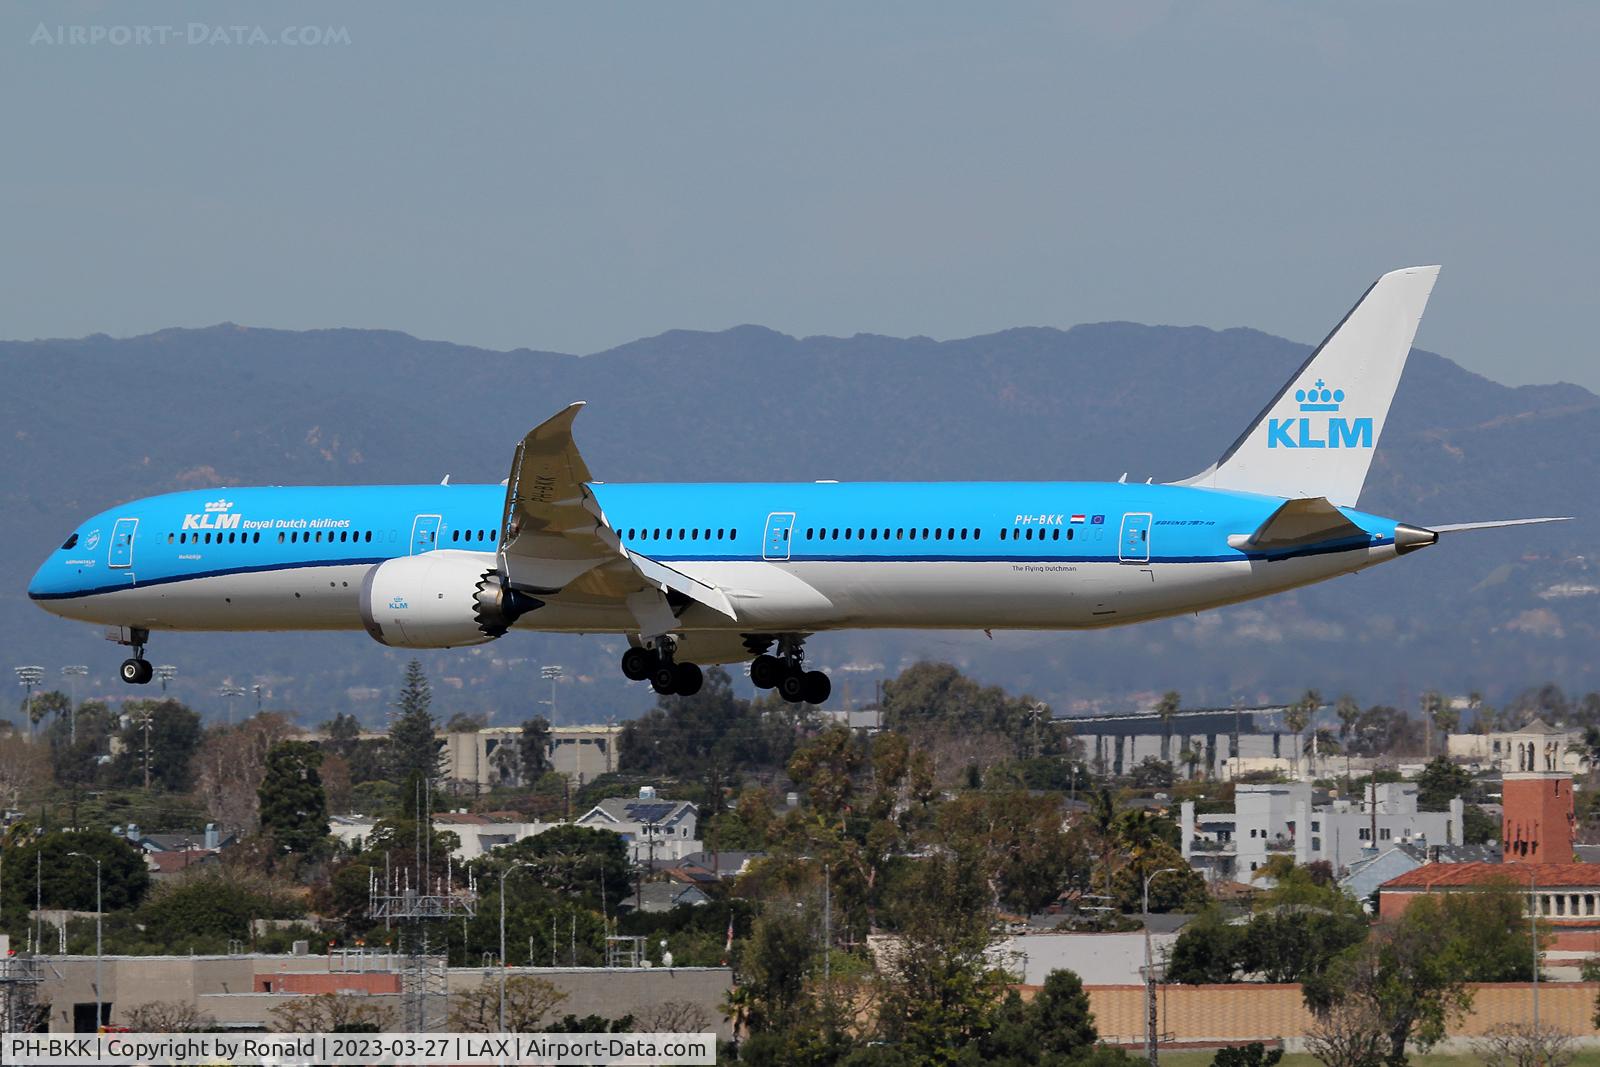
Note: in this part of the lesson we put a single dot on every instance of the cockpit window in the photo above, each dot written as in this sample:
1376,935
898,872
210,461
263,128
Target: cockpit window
70,542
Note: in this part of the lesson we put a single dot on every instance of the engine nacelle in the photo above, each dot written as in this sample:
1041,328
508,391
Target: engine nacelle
440,599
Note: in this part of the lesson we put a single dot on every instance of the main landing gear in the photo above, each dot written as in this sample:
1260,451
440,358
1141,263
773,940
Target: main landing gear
785,672
665,675
136,671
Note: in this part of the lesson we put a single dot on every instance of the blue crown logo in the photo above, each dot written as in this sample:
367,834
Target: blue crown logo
1319,397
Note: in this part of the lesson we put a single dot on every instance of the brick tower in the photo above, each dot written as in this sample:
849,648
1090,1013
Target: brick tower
1538,822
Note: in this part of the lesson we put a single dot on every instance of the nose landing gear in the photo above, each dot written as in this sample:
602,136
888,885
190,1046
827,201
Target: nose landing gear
786,671
135,671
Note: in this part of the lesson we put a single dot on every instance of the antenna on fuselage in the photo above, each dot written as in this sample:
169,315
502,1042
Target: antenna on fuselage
446,480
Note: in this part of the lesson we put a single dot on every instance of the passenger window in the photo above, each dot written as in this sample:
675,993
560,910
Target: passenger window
255,538
976,533
208,538
809,531
680,533
900,534
874,533
656,534
170,539
1055,535
232,538
950,535
847,532
694,535
733,533
924,533
936,533
1069,533
963,533
1028,536
280,537
455,535
720,531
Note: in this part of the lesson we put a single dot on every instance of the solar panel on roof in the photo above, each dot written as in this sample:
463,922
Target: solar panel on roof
648,812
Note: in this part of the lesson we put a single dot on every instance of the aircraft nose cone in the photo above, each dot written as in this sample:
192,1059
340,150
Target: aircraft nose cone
36,585
1410,538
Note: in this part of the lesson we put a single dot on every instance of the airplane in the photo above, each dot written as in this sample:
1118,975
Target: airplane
699,573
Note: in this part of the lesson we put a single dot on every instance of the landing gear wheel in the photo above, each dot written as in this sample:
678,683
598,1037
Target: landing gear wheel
816,687
791,686
687,679
638,663
765,671
137,671
664,678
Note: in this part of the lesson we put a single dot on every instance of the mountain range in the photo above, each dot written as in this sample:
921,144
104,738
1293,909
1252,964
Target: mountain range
97,420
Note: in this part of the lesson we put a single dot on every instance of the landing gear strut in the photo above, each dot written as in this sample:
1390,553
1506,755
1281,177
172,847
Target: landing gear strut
666,675
786,671
136,671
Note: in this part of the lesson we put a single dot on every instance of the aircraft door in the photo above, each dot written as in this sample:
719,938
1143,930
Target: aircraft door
425,534
1135,544
121,554
776,544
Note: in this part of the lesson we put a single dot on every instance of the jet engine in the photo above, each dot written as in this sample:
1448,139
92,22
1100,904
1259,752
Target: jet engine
440,599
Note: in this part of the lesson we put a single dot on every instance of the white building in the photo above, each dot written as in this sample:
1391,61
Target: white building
1280,819
486,758
654,829
1553,749
475,834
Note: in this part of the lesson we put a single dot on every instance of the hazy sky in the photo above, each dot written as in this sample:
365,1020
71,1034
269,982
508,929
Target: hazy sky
572,176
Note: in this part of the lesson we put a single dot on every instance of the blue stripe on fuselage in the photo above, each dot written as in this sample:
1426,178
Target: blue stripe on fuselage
670,521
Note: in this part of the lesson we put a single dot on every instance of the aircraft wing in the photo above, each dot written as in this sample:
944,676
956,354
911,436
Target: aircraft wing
557,544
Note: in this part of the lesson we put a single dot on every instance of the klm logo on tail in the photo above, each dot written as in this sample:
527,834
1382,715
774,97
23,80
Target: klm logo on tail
1319,430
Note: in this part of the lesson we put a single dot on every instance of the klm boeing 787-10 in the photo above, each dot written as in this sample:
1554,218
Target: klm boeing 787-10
719,573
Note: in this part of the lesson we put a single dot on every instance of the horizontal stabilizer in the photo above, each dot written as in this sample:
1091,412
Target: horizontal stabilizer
1463,527
1305,521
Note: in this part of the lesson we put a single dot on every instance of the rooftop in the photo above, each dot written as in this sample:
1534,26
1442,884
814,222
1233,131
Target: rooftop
1541,875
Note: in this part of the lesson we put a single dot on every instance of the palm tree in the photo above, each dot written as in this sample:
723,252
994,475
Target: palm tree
1167,708
1438,714
1297,716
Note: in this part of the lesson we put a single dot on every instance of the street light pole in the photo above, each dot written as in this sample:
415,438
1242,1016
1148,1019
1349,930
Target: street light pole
553,673
1149,969
166,672
503,874
72,674
229,692
99,914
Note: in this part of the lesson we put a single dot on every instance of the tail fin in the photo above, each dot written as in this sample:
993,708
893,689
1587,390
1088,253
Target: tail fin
1317,436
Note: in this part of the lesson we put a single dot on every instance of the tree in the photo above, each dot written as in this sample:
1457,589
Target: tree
1440,782
1017,840
174,737
68,881
329,1013
1167,708
413,738
1209,951
938,985
568,859
533,749
294,807
24,767
1525,1044
772,969
528,1000
1255,1054
344,732
169,1017
1298,716
231,764
1349,1033
1409,978
211,906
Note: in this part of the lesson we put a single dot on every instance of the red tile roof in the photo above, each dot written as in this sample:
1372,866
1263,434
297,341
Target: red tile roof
1542,875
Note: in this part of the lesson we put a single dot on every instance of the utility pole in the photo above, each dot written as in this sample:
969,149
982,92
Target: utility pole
257,690
1149,970
503,963
145,724
72,674
1533,928
99,915
827,928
